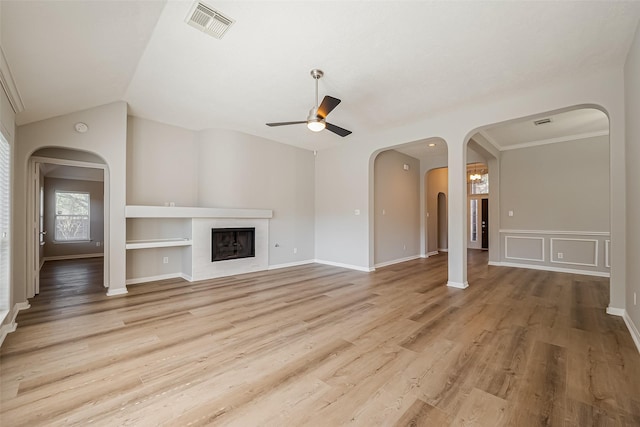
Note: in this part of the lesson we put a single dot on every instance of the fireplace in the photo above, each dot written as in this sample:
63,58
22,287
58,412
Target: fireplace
232,243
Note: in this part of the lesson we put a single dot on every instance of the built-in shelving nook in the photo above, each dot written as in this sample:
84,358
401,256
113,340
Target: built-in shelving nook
165,242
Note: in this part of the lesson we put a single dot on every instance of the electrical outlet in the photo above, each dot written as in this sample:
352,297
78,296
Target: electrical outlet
165,260
560,255
98,244
635,300
356,212
295,250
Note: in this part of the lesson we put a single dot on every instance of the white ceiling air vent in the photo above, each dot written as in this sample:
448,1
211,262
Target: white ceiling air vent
208,20
542,122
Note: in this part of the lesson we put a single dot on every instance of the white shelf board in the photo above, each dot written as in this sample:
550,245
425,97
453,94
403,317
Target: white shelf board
157,243
137,211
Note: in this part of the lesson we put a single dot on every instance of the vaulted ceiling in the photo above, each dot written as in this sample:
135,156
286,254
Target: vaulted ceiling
391,63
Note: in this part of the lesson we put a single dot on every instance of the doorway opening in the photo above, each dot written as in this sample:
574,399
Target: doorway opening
68,207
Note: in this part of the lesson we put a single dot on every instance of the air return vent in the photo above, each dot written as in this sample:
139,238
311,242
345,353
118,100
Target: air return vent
542,122
208,20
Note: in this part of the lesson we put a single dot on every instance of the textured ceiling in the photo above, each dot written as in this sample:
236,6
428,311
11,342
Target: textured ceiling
391,63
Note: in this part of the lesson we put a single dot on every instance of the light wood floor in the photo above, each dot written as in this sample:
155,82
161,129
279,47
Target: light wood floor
320,345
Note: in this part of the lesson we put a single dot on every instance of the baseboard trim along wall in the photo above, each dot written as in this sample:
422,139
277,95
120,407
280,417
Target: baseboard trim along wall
349,266
291,264
66,257
633,330
11,326
549,268
397,261
432,253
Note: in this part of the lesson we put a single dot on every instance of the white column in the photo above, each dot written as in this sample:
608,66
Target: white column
457,157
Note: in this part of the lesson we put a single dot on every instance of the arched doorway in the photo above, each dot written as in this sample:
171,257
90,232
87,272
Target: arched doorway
68,205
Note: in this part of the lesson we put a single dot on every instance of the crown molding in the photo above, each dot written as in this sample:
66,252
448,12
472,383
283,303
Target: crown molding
9,85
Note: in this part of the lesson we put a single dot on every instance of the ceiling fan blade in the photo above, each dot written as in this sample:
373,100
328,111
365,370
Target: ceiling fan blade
338,130
285,123
328,104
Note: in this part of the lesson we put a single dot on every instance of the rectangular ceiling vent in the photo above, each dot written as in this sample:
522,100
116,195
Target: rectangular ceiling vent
542,122
208,20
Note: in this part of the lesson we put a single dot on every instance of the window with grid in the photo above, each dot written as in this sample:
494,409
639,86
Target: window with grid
72,216
5,249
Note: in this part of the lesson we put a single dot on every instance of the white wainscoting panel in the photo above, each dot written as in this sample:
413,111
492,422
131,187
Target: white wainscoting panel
607,253
524,248
575,251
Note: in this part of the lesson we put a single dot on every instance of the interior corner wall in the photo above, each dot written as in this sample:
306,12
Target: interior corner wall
397,207
436,182
632,111
96,215
107,138
162,164
237,170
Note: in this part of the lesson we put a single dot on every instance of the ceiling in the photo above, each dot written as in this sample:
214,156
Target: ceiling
391,63
51,170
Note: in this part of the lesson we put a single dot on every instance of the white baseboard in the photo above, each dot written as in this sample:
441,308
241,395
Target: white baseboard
158,277
550,268
290,264
615,311
349,266
114,292
633,330
443,250
432,253
397,261
66,257
11,326
458,285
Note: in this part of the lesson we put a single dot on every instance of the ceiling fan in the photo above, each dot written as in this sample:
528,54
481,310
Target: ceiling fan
316,121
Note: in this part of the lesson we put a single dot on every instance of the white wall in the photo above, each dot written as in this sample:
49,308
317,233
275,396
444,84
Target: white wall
106,138
632,104
397,207
344,174
96,227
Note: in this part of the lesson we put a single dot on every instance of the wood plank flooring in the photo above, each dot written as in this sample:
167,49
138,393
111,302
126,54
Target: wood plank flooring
322,346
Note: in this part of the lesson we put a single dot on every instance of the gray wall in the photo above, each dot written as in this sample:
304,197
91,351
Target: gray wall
563,186
96,194
436,181
632,104
397,207
559,195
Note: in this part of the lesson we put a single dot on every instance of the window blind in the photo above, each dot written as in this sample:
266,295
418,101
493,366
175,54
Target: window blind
5,214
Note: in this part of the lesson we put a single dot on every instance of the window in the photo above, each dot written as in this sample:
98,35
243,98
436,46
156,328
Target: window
473,215
5,197
72,216
480,186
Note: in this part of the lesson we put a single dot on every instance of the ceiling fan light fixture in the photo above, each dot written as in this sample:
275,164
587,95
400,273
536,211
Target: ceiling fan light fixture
316,125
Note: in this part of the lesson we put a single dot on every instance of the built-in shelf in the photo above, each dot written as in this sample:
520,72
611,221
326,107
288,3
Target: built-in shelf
157,243
137,211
